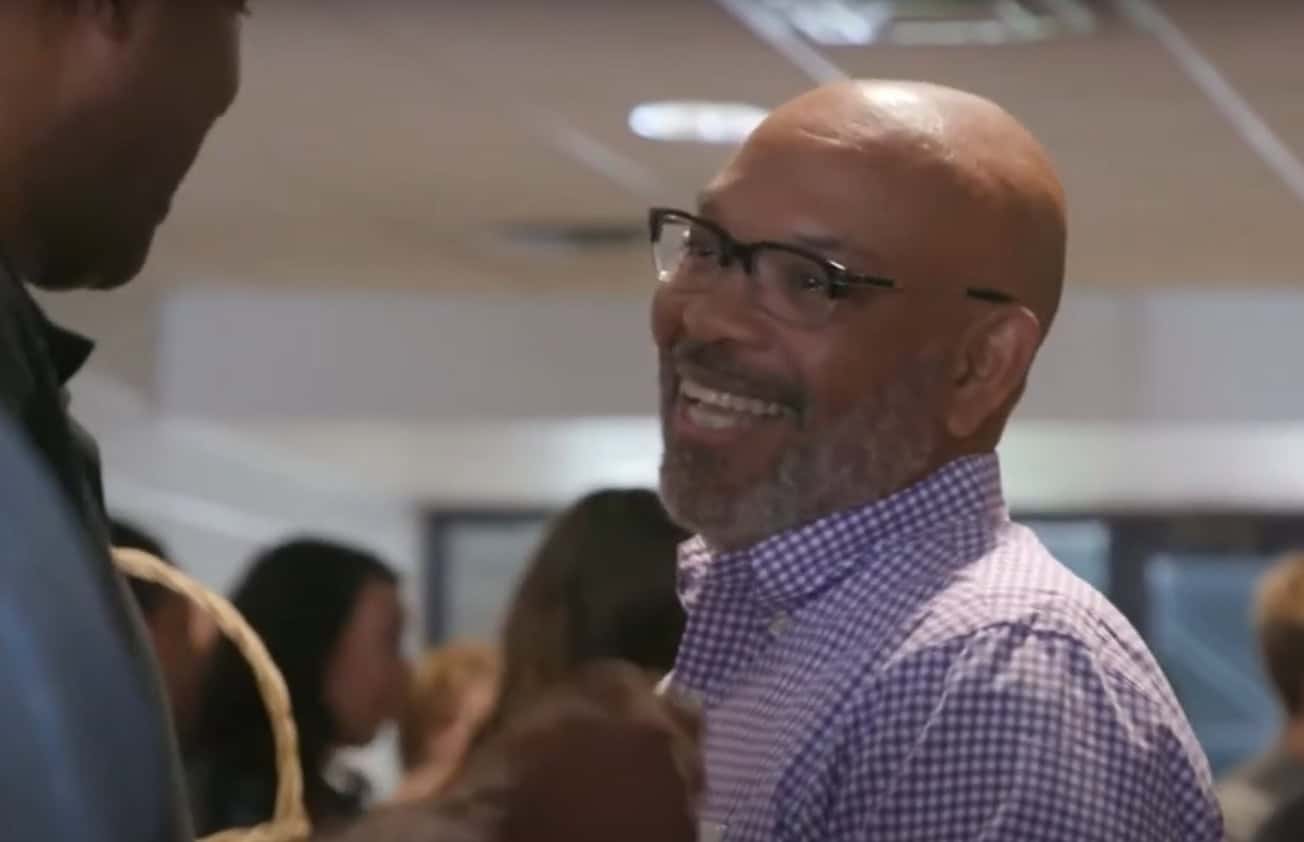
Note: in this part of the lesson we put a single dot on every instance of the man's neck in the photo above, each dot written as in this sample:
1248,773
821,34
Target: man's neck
738,542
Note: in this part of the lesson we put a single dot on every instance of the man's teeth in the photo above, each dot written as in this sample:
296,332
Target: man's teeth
729,401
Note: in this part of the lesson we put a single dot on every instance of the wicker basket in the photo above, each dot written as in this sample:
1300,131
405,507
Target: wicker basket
289,822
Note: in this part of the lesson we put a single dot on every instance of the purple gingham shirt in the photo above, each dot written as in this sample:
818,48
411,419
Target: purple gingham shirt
922,670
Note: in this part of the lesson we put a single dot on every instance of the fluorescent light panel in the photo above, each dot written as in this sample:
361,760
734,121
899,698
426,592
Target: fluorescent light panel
690,121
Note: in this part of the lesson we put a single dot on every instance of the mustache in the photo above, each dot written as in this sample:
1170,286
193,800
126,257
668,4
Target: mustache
717,366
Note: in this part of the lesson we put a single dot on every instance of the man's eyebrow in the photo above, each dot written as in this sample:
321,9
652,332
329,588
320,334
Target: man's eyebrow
831,245
839,249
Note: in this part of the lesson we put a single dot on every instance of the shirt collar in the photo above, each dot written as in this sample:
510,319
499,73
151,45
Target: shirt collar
68,351
792,565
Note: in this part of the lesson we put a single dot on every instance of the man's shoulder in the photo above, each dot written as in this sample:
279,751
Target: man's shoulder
1013,586
1015,606
1004,582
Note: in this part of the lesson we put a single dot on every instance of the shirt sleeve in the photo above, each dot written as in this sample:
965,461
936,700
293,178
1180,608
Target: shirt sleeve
1014,733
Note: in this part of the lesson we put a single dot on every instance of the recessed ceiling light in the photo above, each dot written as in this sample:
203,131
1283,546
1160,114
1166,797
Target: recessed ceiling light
695,122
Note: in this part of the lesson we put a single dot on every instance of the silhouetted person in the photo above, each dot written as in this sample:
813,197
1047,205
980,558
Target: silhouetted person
103,107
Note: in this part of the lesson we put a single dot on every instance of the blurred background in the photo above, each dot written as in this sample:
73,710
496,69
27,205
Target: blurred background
402,299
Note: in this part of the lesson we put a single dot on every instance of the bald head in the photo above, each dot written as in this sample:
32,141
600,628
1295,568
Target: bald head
962,176
905,262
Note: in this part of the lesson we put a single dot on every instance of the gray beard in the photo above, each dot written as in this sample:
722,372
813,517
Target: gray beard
877,448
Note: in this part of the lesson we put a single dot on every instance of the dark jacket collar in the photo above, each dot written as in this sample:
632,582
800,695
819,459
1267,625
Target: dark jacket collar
68,351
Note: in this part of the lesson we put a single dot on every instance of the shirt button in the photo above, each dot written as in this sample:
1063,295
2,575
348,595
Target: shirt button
778,624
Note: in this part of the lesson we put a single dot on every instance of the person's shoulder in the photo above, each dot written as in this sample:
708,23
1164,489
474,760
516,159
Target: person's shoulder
1002,608
1016,584
1015,607
974,589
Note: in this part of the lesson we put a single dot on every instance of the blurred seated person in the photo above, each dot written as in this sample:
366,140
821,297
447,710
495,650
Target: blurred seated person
600,587
1256,790
332,621
1286,825
180,634
596,758
451,692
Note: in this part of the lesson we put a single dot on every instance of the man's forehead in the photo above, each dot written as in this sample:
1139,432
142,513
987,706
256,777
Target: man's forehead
827,206
785,155
833,237
877,215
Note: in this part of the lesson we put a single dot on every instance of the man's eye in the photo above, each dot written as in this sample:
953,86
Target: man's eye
807,282
701,247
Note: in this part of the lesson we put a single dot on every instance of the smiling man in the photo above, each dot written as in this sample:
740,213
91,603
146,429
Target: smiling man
845,323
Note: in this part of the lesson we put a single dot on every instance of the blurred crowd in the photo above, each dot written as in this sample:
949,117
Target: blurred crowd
598,592
596,612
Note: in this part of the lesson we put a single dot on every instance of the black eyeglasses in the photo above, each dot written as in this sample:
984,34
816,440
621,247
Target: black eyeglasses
791,283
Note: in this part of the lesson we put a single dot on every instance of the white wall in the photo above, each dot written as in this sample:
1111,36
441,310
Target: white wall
1167,356
249,353
410,399
216,497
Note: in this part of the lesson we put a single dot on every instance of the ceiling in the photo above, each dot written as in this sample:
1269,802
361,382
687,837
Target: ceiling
389,144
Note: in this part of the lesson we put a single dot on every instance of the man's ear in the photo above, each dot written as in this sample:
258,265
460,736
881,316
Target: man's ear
990,366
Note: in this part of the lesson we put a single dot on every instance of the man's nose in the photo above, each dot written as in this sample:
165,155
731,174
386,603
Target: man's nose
725,311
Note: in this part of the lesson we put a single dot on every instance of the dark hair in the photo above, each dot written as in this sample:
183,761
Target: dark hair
600,587
149,596
299,597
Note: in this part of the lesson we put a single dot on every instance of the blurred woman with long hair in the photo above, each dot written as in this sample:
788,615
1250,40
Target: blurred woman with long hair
600,587
331,619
